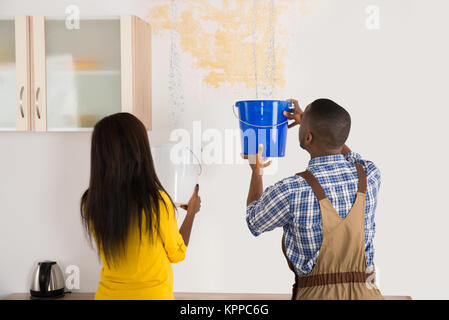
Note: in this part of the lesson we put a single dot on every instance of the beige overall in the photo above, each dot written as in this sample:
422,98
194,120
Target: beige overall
340,269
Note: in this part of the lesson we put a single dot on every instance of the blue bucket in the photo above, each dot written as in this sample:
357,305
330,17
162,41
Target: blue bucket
262,122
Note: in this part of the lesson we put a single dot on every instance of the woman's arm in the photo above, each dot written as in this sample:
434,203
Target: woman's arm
192,208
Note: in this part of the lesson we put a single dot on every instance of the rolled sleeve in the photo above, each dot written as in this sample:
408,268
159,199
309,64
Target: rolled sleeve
271,211
371,170
352,157
171,238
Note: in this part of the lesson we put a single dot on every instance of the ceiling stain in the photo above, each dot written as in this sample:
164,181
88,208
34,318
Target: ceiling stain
235,42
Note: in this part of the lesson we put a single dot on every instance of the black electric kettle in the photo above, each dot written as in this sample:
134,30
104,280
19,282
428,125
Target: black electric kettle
47,281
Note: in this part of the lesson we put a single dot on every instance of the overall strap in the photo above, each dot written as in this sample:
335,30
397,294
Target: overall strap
318,189
314,184
362,178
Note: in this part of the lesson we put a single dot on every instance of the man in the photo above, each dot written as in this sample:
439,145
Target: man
327,211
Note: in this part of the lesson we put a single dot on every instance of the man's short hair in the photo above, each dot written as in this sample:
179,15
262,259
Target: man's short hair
329,123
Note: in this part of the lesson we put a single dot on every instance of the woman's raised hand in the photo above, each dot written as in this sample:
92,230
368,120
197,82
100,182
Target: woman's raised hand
194,204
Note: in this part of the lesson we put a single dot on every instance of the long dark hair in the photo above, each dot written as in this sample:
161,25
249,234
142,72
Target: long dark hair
123,185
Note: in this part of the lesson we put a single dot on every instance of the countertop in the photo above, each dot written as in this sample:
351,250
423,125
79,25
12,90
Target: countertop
190,296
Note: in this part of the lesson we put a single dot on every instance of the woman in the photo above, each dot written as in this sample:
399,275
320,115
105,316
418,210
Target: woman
130,216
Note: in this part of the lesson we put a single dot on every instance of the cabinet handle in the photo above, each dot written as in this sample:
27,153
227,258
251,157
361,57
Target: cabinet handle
37,103
21,101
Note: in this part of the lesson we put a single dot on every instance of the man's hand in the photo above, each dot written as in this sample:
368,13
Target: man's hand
194,204
295,115
257,161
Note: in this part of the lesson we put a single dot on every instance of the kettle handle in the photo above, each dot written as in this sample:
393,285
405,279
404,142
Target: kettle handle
44,275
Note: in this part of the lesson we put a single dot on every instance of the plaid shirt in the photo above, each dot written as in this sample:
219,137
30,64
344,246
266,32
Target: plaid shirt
291,204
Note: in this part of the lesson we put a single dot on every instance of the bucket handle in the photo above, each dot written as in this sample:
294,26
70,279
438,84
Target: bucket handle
199,162
253,125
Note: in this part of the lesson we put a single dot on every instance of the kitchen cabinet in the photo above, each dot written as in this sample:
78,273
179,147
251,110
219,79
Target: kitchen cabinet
61,77
14,64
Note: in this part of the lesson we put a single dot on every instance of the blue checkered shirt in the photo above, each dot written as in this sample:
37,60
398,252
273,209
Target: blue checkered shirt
291,204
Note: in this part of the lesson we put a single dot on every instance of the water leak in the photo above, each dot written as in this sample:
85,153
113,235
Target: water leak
175,83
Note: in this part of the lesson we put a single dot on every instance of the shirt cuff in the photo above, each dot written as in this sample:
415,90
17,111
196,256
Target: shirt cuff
178,253
250,219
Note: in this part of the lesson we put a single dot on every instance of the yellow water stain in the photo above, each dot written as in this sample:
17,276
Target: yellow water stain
159,18
221,40
304,6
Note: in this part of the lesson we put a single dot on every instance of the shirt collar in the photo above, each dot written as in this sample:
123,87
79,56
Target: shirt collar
333,158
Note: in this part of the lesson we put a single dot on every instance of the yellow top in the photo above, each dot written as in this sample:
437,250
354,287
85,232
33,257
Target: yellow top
145,272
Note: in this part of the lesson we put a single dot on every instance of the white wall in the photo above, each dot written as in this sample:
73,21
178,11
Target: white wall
393,82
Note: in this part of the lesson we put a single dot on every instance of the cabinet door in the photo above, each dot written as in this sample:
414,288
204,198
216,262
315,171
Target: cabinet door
14,73
136,68
77,77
